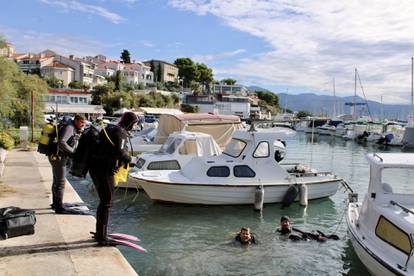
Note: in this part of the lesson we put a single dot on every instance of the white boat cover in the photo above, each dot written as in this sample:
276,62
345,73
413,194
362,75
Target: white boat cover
220,127
199,144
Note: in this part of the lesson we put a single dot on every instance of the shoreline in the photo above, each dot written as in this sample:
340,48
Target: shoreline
61,244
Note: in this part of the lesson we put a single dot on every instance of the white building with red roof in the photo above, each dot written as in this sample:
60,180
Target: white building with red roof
60,71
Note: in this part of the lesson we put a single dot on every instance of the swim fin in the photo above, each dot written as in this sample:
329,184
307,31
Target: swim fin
73,211
119,236
331,237
114,242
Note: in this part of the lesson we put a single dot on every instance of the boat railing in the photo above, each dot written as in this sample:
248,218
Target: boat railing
404,208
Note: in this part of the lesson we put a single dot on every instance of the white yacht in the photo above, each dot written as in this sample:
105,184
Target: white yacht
249,161
381,228
329,128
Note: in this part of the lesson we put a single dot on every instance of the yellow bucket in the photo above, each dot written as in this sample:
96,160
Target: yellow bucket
121,175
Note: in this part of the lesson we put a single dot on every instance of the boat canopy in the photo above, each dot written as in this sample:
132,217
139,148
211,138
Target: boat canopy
220,127
195,143
391,160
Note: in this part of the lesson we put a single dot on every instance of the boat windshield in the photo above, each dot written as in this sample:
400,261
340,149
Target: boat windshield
399,180
170,145
235,147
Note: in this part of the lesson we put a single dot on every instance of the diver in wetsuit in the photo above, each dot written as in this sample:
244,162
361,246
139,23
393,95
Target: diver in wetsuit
110,154
295,234
245,237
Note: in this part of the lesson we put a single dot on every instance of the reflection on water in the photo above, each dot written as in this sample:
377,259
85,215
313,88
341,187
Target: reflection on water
190,240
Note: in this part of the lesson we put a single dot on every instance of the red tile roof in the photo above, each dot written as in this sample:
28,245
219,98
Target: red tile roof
68,91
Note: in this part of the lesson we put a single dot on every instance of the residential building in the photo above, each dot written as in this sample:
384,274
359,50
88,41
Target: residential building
234,105
104,70
224,105
163,71
71,102
222,88
138,73
60,71
204,103
84,71
7,51
32,63
68,96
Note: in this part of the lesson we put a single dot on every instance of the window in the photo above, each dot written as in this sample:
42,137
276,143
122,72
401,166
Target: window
218,171
235,147
393,235
164,165
262,150
170,145
243,171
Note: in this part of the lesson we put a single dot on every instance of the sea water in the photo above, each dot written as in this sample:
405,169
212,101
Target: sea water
196,240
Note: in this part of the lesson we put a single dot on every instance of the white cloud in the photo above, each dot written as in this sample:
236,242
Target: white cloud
314,41
217,56
34,42
86,8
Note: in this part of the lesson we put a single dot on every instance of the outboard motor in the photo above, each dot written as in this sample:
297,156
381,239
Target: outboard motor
280,150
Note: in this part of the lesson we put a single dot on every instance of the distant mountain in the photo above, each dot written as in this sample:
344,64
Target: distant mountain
318,104
254,88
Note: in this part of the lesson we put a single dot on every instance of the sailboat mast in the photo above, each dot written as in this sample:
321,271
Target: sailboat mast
412,84
353,105
286,101
334,106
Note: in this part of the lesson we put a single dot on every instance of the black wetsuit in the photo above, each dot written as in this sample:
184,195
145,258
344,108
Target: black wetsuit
237,240
301,235
105,161
68,137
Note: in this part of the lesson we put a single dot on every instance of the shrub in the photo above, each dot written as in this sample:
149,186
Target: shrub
6,141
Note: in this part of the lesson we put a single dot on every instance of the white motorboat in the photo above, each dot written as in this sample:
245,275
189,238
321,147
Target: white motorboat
355,130
381,227
179,148
249,161
329,128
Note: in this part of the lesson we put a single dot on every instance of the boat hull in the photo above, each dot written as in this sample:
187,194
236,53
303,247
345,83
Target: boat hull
218,194
371,261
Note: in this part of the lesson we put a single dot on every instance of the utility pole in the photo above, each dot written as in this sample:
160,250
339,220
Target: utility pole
33,116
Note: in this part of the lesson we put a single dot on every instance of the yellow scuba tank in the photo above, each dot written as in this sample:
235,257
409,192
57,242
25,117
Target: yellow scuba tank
48,132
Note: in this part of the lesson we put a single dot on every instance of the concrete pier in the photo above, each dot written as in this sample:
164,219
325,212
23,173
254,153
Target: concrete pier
61,244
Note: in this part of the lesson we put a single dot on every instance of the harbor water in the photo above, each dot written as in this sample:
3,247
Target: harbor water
196,240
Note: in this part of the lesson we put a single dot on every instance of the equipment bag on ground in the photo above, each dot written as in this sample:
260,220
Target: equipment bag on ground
15,221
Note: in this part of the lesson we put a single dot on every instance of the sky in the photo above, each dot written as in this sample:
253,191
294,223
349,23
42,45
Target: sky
284,46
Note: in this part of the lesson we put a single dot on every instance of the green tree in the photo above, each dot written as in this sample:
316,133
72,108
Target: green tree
54,82
205,76
16,89
189,108
125,56
229,81
268,97
303,114
3,43
75,85
187,70
100,91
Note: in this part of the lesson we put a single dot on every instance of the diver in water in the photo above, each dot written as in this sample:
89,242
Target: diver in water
295,234
245,237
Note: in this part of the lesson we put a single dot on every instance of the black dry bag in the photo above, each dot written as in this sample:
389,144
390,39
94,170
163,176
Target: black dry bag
15,221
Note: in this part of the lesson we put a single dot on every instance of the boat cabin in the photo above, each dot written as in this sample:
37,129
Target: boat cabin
386,216
249,154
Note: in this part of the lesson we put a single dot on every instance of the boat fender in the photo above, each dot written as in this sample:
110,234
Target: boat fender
290,196
303,191
258,198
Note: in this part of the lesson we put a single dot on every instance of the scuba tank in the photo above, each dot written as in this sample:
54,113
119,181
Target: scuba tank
48,134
